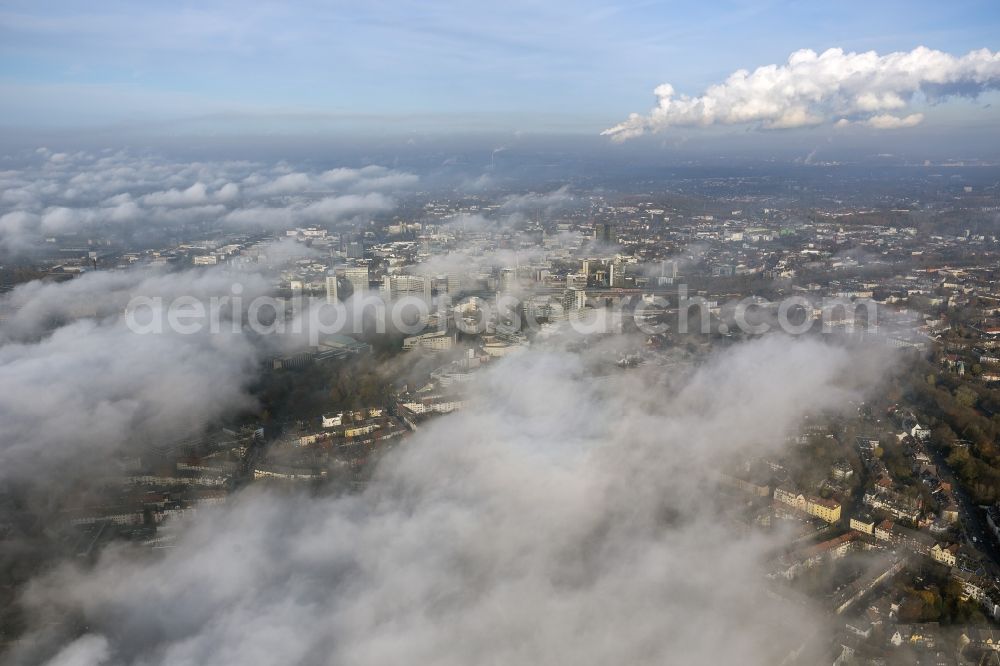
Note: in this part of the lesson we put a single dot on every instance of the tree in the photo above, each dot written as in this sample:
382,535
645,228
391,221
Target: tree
944,435
966,396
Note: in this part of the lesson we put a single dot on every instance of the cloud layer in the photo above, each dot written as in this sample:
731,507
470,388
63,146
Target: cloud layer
53,194
88,387
833,86
558,520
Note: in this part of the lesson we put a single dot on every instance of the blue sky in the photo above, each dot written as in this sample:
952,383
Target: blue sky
577,66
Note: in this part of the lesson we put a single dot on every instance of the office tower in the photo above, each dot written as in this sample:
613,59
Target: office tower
508,280
617,275
331,289
358,277
398,286
602,232
576,281
574,299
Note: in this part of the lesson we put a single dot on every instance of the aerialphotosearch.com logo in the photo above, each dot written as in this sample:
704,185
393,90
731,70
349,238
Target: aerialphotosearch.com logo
596,313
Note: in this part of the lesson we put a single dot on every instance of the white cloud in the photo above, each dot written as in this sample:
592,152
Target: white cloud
288,184
555,520
196,194
89,651
16,228
328,210
812,89
228,192
80,192
61,219
74,360
889,121
365,179
538,201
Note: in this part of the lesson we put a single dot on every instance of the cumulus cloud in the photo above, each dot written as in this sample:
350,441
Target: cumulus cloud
474,222
327,209
833,86
560,519
69,348
284,250
469,261
367,178
889,121
79,398
547,202
36,308
90,651
16,229
196,194
79,394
